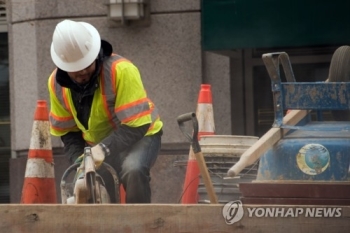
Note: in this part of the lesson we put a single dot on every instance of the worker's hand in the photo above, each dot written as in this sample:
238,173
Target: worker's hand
98,155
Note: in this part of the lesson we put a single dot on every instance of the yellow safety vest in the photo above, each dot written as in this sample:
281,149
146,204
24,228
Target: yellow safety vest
120,99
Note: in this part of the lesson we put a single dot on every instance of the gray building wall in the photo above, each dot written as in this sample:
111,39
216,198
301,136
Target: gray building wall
167,52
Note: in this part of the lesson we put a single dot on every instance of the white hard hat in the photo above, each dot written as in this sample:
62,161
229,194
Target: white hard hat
75,45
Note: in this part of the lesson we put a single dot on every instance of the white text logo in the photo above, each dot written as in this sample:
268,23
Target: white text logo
233,212
317,212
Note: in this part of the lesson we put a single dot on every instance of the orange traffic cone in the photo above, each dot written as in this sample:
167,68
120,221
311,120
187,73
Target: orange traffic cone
205,117
39,181
205,112
122,194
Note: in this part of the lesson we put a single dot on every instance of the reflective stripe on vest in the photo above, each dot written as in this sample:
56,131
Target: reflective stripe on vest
129,111
58,122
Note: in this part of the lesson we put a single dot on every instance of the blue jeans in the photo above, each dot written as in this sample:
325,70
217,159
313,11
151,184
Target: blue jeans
133,168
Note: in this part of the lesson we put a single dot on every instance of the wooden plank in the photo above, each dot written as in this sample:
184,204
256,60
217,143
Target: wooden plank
266,142
295,201
301,190
168,218
206,178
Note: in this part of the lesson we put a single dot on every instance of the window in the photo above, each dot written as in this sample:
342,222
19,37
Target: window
5,133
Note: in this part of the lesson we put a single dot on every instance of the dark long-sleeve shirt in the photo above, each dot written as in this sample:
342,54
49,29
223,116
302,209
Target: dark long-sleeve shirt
117,141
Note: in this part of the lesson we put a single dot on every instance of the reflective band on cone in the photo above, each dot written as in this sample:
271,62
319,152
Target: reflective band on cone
39,168
39,180
206,126
205,118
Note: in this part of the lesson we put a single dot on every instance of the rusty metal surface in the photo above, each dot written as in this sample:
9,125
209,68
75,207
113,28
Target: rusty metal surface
302,95
316,95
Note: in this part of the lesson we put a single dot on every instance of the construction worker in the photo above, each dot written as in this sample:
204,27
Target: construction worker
98,99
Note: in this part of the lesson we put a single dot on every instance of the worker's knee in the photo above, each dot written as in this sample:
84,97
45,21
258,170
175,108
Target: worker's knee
135,175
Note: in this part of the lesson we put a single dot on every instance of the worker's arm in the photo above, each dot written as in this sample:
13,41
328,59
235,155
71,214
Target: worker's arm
73,145
124,137
116,142
131,97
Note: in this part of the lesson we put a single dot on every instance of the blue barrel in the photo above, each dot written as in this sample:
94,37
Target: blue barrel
315,152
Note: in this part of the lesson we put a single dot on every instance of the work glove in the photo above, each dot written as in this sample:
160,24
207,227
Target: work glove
97,153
